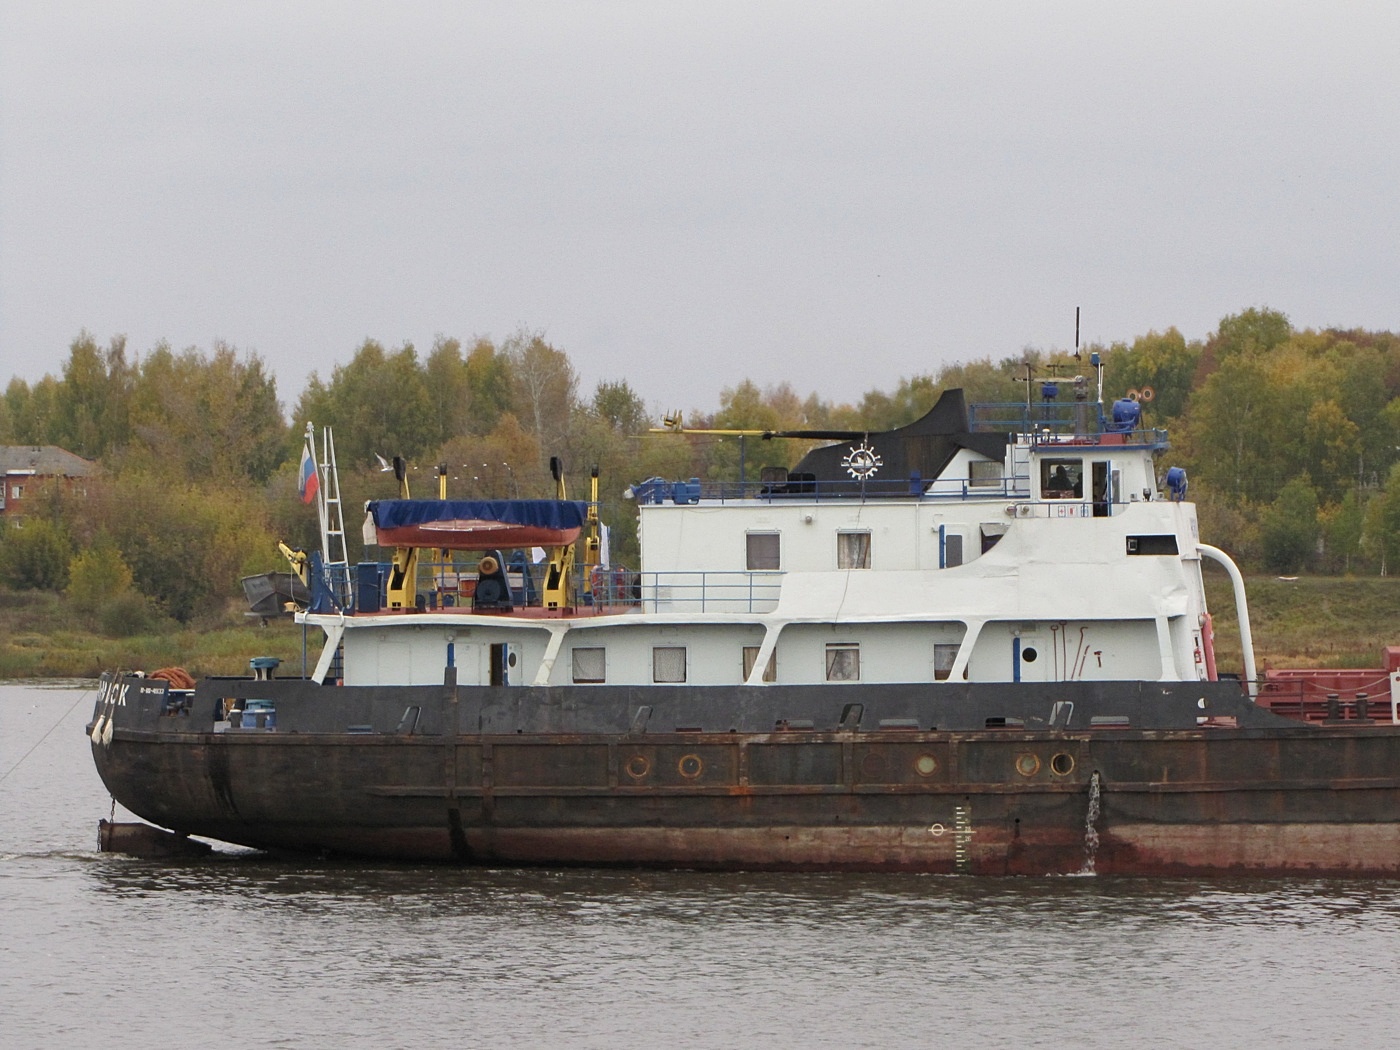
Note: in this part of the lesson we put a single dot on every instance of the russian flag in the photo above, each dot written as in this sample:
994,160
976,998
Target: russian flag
310,482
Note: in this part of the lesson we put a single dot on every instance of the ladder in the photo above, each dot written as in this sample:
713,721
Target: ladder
333,552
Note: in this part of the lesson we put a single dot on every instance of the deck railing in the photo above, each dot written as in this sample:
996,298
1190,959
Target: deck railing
656,491
447,585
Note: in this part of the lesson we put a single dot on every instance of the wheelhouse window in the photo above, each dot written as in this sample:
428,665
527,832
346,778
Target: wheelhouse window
1061,479
590,665
843,662
984,474
853,550
764,551
770,672
668,663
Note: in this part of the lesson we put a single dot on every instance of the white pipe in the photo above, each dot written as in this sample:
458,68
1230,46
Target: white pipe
1241,608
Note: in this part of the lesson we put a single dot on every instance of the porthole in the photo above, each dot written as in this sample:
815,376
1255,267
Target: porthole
1027,764
1062,764
1029,654
690,766
638,767
872,766
925,765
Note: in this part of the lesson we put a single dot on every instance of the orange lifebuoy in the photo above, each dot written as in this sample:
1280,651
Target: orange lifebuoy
1147,393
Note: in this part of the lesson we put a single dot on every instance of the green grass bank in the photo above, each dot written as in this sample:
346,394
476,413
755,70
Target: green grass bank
1313,621
42,636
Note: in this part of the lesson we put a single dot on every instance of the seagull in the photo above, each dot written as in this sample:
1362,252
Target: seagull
384,464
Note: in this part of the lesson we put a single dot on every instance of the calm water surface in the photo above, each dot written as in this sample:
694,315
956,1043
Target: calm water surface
106,951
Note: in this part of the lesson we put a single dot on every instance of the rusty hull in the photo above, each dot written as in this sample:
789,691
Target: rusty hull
1209,800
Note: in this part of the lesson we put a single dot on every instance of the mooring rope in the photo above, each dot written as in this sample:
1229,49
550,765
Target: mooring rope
75,703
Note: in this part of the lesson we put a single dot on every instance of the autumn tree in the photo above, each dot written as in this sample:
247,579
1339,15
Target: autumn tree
1332,447
543,385
1163,361
488,376
1290,528
91,404
1256,330
449,390
186,543
206,416
1343,526
610,433
379,403
35,557
30,411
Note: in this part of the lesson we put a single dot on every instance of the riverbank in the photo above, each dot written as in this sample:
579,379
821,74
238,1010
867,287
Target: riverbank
42,636
1312,621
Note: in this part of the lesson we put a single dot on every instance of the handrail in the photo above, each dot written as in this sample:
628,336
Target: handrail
449,585
1242,608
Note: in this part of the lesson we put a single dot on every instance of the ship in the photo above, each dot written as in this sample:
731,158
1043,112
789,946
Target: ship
976,644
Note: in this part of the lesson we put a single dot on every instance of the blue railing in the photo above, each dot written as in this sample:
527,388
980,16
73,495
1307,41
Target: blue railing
1056,422
656,491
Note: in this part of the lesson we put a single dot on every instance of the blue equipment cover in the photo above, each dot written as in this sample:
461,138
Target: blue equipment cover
537,513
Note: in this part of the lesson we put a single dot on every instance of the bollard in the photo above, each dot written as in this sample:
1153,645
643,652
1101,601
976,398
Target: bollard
1334,707
1362,715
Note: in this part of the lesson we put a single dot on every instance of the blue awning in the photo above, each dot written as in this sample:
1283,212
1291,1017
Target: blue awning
536,513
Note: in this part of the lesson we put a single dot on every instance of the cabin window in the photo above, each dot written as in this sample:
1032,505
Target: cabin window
944,653
764,551
668,663
16,491
1152,544
770,673
984,474
952,549
853,550
1061,479
843,662
590,665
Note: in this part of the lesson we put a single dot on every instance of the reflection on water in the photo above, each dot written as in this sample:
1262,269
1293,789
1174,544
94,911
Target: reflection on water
624,897
98,950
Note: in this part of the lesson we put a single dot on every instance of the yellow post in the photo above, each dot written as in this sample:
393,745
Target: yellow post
561,559
403,572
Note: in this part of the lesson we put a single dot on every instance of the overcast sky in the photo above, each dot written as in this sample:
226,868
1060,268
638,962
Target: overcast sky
688,194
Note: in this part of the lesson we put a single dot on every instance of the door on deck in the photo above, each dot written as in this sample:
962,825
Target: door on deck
1102,489
505,663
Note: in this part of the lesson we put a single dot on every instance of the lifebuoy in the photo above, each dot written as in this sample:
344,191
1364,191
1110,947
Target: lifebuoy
1147,393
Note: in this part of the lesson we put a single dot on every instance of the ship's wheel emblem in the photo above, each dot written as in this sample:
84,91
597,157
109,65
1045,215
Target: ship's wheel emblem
862,462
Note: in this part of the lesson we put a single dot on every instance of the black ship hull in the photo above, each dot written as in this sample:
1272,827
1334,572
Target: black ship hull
1118,777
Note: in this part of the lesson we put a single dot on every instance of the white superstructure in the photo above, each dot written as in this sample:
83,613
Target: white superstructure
1042,555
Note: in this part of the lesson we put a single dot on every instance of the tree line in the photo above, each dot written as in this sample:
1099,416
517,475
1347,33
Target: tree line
1291,439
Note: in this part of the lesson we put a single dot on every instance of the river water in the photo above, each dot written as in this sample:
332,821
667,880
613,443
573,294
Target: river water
108,951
